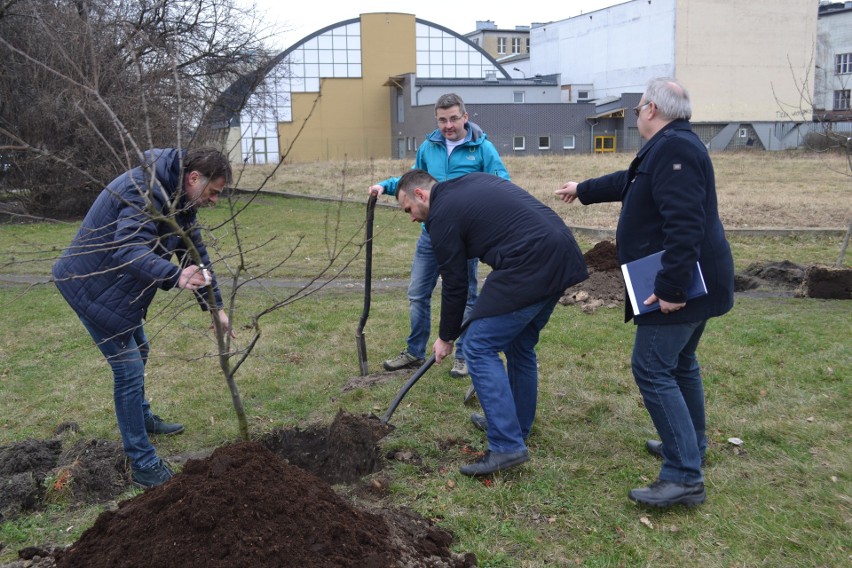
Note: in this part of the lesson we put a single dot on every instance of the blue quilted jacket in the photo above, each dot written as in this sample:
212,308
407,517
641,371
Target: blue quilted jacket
122,254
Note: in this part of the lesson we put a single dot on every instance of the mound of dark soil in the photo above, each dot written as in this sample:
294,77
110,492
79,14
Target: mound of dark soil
604,287
243,506
342,453
87,471
247,504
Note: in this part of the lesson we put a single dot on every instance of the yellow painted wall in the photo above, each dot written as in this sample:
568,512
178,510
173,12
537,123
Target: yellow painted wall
351,117
738,58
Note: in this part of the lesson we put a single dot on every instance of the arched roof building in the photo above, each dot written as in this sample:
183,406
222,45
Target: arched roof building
327,96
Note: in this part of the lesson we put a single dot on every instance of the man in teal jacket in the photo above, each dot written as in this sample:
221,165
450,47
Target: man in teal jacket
457,147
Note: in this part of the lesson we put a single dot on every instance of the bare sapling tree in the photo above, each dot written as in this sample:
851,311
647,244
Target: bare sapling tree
142,75
825,137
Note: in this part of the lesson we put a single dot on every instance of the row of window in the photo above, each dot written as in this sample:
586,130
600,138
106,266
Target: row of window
516,44
520,142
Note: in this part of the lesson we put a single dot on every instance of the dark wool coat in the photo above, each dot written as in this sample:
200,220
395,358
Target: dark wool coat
532,253
121,255
669,203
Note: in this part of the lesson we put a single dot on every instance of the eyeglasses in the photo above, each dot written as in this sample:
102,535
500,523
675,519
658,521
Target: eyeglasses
452,119
638,109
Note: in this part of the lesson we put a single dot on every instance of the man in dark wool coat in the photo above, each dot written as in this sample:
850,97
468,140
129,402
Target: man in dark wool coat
668,197
533,257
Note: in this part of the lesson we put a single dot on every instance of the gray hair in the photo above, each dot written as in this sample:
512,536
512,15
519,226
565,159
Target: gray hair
449,101
670,97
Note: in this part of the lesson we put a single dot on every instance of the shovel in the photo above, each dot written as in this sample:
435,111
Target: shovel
360,342
410,383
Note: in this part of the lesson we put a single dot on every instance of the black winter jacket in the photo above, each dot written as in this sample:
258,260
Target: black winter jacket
532,252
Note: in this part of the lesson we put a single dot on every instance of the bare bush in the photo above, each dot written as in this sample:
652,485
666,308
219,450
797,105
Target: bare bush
85,85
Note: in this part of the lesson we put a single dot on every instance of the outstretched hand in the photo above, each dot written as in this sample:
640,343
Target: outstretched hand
567,192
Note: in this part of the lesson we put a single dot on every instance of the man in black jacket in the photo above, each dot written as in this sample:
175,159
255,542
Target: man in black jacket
668,200
533,257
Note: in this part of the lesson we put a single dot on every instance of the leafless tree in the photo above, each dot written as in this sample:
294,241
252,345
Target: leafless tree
88,85
82,78
823,138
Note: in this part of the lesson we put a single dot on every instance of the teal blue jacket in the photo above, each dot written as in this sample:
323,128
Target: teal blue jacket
475,154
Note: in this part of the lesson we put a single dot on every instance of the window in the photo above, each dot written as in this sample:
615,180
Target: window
519,143
258,150
843,63
841,100
501,45
516,45
582,95
544,142
528,44
518,97
568,142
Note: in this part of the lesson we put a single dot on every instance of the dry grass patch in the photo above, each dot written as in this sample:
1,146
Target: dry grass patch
756,189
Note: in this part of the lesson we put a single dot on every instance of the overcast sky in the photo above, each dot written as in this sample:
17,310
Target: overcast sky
303,18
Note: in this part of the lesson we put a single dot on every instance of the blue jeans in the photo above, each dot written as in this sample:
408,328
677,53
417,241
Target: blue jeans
508,394
128,359
424,278
668,376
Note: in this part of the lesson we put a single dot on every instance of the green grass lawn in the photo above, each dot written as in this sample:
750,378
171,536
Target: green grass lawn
777,371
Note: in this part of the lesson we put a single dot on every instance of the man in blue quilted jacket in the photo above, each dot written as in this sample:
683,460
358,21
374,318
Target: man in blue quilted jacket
457,147
121,255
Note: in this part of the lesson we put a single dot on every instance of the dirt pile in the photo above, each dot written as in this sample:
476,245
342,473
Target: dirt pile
342,453
604,287
244,506
267,503
35,471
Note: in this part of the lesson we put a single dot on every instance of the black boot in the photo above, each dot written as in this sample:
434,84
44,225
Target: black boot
664,493
495,461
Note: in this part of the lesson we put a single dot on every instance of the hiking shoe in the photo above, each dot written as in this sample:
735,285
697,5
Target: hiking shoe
459,369
664,494
152,476
155,425
492,462
479,421
404,360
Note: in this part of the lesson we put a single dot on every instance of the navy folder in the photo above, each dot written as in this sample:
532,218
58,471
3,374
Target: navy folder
639,277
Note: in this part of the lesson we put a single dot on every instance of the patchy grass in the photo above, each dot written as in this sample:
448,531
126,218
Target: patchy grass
777,370
778,373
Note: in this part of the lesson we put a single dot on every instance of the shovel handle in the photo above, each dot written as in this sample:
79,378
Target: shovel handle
407,386
410,383
368,284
